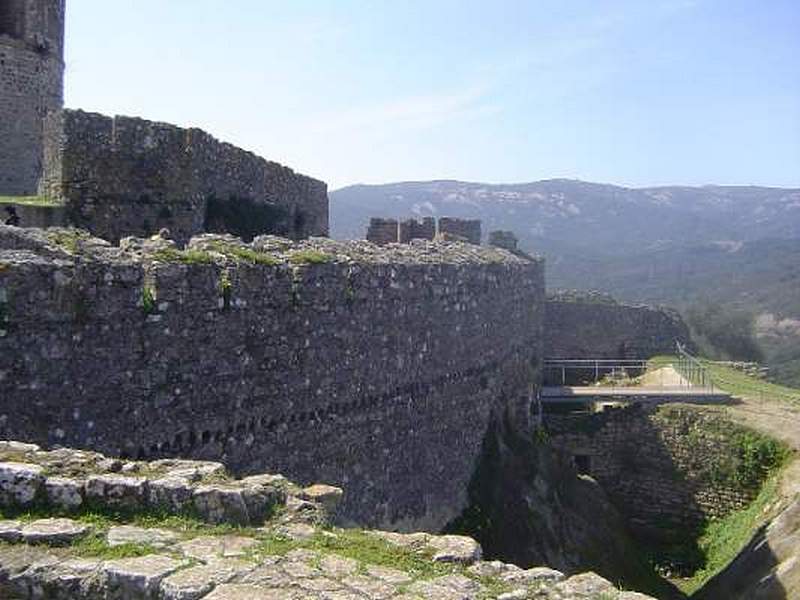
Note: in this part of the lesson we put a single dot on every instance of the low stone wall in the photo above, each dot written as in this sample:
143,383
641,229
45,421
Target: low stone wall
588,326
124,176
371,368
665,468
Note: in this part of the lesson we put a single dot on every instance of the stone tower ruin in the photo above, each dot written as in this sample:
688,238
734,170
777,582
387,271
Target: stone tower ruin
31,86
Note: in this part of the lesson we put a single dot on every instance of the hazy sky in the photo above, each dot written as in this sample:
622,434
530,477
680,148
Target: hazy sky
639,93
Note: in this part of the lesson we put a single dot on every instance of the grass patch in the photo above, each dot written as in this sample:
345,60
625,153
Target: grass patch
95,546
369,549
247,255
312,257
724,538
30,201
102,518
187,257
68,239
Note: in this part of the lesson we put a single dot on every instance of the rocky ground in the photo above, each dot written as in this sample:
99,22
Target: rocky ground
78,525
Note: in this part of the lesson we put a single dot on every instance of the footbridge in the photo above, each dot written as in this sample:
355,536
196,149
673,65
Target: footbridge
581,384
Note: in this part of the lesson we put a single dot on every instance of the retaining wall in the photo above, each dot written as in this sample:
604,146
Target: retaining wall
666,468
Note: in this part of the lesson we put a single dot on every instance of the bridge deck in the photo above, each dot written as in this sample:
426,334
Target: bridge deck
633,393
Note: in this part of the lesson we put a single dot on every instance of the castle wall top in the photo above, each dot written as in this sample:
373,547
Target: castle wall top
128,176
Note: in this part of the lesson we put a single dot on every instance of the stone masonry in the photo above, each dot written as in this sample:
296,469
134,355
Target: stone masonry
388,231
31,86
583,325
121,176
374,368
283,546
665,468
468,229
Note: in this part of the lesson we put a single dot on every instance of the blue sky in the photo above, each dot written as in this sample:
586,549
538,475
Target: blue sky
637,93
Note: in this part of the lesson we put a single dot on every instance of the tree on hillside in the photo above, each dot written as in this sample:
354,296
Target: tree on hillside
724,334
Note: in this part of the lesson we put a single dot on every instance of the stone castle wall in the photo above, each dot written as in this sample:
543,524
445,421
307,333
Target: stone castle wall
469,229
665,468
31,86
371,368
586,326
389,231
124,176
411,229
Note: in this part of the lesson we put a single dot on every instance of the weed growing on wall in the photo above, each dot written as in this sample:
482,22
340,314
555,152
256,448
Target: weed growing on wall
187,257
68,239
243,254
148,300
225,288
313,257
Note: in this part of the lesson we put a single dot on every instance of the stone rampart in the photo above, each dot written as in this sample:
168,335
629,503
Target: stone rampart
124,176
372,368
595,326
667,468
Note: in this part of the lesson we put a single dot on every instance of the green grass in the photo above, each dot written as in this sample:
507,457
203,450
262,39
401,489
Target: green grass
724,538
68,239
312,257
369,549
246,254
30,201
95,546
187,257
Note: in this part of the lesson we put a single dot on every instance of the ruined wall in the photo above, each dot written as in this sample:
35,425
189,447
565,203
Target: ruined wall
595,326
31,86
382,231
503,239
412,229
377,372
666,468
388,231
125,176
469,229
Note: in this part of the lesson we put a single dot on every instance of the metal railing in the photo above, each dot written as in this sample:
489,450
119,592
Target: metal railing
692,370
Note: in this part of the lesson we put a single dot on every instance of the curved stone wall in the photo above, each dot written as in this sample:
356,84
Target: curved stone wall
371,368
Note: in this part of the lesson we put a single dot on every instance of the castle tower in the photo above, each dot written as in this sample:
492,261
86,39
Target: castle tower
31,86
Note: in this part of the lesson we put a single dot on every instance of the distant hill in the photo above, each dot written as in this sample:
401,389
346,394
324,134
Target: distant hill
574,214
738,247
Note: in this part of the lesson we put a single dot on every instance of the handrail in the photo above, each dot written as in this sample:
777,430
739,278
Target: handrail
691,369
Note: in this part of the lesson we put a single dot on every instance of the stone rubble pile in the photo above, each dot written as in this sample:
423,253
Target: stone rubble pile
288,552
